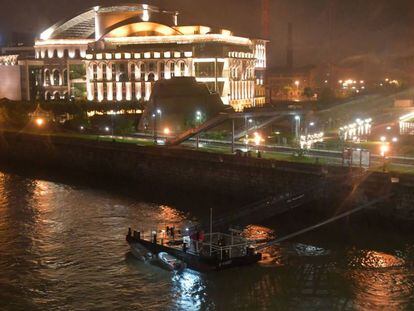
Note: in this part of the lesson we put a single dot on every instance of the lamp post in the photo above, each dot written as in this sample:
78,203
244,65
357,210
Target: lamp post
198,118
297,127
384,150
157,113
297,83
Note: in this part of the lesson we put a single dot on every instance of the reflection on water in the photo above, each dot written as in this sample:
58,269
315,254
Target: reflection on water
63,248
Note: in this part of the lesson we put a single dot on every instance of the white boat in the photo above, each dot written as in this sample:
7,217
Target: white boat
171,262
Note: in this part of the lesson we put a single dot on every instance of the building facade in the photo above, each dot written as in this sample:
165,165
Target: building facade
117,53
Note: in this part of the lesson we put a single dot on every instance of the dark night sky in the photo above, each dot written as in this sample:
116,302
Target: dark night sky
380,27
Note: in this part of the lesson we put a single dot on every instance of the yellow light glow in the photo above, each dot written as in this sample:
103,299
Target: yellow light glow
64,42
167,131
40,121
257,139
384,149
141,28
179,39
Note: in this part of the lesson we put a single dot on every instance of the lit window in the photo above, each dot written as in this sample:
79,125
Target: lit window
99,56
127,55
147,55
157,55
108,56
172,70
104,71
177,54
118,55
188,54
167,54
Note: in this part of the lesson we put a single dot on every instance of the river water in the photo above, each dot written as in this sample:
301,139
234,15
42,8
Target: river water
62,247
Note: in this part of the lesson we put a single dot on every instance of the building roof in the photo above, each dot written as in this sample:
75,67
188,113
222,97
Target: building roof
131,24
83,25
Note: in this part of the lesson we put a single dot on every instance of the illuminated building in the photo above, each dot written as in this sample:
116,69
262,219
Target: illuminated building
116,53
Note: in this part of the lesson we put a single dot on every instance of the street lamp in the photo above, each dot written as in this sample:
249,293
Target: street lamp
199,117
297,127
40,121
157,112
384,150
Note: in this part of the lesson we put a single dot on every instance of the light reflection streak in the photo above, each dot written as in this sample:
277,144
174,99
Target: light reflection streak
188,289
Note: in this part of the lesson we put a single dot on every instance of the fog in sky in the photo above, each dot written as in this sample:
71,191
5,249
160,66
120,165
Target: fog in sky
323,29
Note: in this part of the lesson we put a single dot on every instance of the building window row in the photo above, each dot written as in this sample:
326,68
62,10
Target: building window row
59,53
144,55
55,77
149,71
119,91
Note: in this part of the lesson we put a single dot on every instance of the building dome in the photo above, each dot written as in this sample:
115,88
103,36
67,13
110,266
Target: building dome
98,21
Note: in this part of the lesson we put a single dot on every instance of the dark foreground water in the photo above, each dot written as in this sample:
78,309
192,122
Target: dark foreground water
63,248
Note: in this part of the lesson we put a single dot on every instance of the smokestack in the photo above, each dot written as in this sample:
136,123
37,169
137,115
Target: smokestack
289,55
265,18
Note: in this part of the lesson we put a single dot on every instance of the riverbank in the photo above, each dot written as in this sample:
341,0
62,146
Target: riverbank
243,179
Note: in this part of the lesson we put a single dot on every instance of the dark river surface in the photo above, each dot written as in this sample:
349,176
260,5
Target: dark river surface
62,247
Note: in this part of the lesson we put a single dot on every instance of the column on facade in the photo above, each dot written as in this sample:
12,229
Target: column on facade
118,91
100,91
89,90
109,91
138,90
148,86
128,91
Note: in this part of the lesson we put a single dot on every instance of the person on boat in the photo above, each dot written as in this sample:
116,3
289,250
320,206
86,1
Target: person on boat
167,230
185,247
172,230
201,238
193,241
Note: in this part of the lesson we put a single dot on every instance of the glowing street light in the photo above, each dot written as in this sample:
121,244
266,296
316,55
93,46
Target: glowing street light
40,121
167,131
107,128
394,139
297,127
257,139
383,139
384,150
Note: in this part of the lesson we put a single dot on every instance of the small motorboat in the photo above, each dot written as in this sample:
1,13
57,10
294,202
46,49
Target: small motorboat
171,262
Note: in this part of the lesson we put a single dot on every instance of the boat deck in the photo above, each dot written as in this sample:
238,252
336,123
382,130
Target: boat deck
224,251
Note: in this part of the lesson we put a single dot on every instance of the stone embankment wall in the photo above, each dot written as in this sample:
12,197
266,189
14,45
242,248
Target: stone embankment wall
210,173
